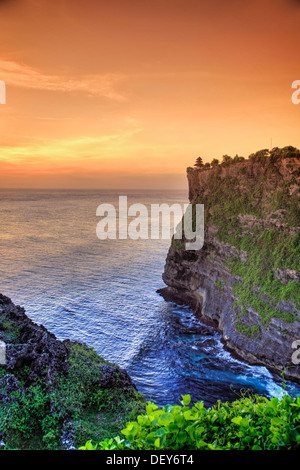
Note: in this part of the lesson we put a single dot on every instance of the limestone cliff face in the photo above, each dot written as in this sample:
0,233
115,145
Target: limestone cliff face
245,279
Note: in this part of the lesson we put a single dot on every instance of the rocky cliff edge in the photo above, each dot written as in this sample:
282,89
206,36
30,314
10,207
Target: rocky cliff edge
245,279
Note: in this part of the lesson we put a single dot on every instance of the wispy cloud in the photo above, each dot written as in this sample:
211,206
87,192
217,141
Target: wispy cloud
81,151
25,76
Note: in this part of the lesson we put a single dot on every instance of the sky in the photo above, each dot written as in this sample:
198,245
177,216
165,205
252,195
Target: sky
128,93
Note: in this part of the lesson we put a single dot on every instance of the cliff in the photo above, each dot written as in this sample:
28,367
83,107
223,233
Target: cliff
53,392
245,279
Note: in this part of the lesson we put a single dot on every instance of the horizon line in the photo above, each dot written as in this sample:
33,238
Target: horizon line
91,189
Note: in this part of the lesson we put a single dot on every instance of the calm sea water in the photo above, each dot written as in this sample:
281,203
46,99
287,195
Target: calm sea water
103,293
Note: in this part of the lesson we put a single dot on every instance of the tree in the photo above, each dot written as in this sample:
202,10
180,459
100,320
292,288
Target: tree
260,154
199,163
285,152
214,163
227,159
238,158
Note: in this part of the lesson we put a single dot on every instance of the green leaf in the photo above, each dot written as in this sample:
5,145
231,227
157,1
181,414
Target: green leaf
211,447
119,440
237,420
172,427
157,442
165,419
244,422
186,399
161,432
295,434
179,420
199,431
150,407
89,446
201,444
182,437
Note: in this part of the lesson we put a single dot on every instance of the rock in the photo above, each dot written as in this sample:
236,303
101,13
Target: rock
286,275
68,436
115,377
32,345
8,384
44,354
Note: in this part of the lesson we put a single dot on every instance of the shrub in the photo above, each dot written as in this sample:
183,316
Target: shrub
32,418
252,423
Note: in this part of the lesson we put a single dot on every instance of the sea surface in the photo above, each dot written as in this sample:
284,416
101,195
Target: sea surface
103,293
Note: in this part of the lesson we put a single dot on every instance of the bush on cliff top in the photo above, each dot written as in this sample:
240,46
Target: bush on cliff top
273,155
253,423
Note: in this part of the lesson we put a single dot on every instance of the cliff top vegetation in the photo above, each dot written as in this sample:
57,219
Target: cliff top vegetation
274,154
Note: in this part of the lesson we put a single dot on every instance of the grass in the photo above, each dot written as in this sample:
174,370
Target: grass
9,331
106,421
251,331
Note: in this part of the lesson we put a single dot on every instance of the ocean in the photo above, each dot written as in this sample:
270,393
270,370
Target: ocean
104,293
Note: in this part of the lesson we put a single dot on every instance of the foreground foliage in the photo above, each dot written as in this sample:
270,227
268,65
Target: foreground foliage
246,424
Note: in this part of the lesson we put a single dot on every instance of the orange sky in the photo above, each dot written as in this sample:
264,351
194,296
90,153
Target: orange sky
127,93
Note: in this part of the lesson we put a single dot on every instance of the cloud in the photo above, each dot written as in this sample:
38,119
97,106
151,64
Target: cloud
25,76
81,151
